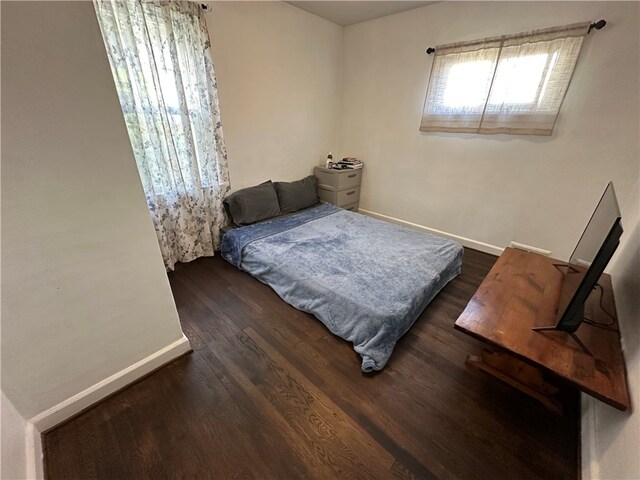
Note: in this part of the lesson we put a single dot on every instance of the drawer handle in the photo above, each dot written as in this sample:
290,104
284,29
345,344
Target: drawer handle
351,192
352,175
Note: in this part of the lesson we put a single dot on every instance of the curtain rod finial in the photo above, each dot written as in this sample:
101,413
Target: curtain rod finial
597,25
430,50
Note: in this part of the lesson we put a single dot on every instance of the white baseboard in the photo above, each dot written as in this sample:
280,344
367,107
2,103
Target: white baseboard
529,248
590,468
467,242
83,400
80,401
35,468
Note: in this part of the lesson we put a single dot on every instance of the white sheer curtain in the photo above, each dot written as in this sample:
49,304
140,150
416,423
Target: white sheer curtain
511,84
161,62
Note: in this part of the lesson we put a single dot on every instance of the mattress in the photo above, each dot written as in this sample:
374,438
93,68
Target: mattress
365,279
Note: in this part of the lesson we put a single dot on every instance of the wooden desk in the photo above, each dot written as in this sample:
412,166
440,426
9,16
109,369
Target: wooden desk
522,291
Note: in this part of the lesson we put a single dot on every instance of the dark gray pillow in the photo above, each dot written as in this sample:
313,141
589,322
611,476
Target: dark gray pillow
253,204
294,196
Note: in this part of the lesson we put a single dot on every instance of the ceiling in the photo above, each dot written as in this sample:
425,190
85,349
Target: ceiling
349,12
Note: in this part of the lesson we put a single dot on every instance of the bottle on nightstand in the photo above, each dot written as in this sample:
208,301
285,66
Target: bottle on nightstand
329,162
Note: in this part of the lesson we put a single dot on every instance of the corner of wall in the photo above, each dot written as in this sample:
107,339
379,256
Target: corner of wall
338,142
13,440
611,439
35,427
268,48
88,397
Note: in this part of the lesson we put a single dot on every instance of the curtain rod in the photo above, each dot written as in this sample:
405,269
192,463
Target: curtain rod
597,25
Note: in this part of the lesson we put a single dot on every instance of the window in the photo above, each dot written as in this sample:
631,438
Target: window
512,84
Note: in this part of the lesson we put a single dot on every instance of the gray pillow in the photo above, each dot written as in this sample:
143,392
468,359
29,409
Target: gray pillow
294,196
253,204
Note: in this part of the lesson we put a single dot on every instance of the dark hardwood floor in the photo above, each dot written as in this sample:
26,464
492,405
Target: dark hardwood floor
269,392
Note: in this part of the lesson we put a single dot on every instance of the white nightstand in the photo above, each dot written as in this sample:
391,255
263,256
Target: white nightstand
340,187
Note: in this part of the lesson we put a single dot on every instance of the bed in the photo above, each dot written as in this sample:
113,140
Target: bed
365,279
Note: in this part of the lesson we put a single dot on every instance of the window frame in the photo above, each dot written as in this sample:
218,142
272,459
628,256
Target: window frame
562,47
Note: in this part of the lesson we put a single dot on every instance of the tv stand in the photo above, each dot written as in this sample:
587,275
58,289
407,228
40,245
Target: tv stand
522,293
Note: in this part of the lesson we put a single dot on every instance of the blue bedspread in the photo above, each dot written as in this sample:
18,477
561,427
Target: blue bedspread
365,279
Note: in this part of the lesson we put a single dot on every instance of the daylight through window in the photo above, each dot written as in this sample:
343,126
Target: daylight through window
512,84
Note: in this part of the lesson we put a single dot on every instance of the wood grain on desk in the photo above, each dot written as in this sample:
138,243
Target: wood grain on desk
522,291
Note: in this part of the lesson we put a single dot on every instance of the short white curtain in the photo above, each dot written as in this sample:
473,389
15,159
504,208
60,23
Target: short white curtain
512,84
160,57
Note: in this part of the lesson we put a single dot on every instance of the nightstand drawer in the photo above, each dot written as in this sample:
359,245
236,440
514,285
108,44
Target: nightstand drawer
338,179
345,197
352,208
349,178
341,198
329,196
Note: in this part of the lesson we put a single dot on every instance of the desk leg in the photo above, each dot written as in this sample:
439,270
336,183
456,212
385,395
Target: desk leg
518,374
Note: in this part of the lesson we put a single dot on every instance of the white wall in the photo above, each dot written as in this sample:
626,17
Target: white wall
493,189
610,438
279,73
84,291
13,428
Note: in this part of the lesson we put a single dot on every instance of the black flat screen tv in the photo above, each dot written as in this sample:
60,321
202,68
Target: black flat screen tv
588,261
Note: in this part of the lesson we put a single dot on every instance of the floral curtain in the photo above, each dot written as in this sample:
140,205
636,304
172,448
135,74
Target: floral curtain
160,57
